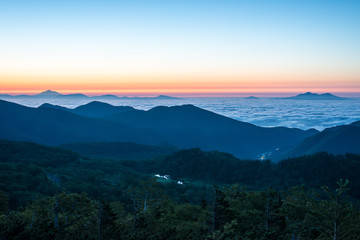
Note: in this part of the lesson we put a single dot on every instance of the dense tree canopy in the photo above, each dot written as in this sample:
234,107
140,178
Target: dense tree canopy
51,193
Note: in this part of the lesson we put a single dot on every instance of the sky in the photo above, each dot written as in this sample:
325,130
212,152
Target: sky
180,47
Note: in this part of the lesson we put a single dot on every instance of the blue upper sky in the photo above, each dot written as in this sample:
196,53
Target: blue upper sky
241,40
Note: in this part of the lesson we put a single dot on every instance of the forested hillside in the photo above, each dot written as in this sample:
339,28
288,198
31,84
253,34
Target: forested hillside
52,193
231,213
119,150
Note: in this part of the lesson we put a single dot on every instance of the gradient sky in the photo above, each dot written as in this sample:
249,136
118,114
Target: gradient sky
180,47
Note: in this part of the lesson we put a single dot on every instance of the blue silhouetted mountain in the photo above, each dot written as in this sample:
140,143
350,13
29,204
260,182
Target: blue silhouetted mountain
48,94
106,96
189,126
315,96
99,109
93,109
165,97
252,98
48,105
335,140
181,126
119,150
53,126
74,96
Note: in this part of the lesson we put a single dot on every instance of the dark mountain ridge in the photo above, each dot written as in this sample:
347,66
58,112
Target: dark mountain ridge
181,126
336,140
119,150
190,126
51,126
94,109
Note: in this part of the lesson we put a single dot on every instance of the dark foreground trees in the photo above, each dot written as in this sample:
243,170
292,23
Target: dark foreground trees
232,213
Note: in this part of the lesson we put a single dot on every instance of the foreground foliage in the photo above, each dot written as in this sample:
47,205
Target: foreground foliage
232,213
51,193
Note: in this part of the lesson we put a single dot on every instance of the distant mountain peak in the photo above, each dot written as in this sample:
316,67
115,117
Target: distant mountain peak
315,96
166,97
49,93
251,97
76,95
111,96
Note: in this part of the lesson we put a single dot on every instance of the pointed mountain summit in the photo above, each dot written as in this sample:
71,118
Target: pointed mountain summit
48,93
53,94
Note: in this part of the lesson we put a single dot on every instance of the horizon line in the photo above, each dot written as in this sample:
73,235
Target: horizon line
93,93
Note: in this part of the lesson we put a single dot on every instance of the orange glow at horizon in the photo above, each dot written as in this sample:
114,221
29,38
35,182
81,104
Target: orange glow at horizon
178,85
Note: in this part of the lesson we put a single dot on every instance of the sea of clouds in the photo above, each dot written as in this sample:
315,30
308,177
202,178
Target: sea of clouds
266,112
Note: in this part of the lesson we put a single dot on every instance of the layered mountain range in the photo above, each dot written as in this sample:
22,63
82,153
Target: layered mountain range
183,126
49,94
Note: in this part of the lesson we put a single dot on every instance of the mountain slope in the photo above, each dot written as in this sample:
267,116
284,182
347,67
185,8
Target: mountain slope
27,152
118,150
336,140
189,126
180,126
94,109
55,126
48,94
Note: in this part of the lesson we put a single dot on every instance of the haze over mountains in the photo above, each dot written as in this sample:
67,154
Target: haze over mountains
49,94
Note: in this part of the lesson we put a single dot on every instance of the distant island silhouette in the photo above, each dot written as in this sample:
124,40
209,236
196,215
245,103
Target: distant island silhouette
315,96
252,98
